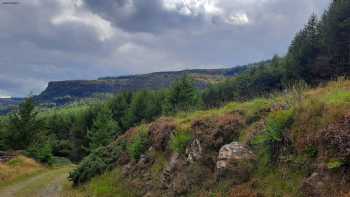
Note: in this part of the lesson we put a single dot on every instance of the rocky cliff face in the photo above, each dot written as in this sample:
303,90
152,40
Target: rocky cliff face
61,92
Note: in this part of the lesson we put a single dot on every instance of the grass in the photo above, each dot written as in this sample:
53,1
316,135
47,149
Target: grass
109,184
280,183
179,141
53,176
18,169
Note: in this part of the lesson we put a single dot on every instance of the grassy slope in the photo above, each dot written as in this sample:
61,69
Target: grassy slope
313,110
18,169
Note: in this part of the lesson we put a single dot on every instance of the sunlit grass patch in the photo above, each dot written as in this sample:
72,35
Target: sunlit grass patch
108,185
18,168
337,97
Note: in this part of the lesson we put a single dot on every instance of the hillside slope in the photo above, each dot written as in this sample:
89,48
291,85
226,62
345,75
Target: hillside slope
294,144
61,92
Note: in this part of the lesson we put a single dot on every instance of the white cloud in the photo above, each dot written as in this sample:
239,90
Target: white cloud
238,19
213,8
72,12
193,7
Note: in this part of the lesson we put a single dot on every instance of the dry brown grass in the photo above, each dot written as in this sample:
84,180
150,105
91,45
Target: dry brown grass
17,168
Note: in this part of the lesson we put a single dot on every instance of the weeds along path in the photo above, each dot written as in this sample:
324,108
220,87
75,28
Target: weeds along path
48,183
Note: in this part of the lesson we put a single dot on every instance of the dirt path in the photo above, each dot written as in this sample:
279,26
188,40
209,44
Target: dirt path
47,184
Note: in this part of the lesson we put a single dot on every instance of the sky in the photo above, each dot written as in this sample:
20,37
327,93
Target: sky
53,40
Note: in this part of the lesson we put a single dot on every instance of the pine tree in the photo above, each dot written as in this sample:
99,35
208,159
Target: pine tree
119,106
104,129
302,52
182,96
23,126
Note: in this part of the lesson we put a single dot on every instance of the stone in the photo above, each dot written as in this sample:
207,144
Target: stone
194,151
316,185
235,161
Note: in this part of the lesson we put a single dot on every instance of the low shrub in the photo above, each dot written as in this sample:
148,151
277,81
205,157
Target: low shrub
273,138
139,144
99,161
335,164
276,124
41,152
179,141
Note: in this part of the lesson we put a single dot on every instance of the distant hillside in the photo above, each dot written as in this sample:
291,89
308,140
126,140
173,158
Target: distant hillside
7,104
61,92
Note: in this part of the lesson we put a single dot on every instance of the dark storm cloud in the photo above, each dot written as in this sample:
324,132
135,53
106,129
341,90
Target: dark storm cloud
45,40
140,15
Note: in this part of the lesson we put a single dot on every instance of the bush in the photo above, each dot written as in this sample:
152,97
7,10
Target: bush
139,144
335,164
179,141
273,139
100,160
41,152
277,122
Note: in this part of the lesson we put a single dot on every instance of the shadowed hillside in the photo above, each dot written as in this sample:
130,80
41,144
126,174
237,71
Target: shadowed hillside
62,92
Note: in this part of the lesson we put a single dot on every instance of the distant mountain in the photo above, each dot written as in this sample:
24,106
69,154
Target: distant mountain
8,104
62,92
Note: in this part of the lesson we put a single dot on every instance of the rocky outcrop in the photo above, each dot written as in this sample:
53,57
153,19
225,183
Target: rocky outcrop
334,140
211,134
160,132
235,161
194,151
314,186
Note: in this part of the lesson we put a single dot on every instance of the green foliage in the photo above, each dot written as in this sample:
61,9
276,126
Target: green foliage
260,79
23,126
119,105
311,151
272,139
139,144
276,124
182,96
41,151
254,109
179,141
338,97
3,145
335,164
145,105
99,161
109,184
104,129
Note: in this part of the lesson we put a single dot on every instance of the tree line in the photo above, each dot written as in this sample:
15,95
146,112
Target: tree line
74,133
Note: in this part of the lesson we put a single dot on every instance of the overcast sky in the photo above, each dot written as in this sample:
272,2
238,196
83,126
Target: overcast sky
50,40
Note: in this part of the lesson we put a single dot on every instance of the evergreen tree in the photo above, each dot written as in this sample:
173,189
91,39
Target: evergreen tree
335,37
119,106
138,108
104,129
182,96
23,126
302,52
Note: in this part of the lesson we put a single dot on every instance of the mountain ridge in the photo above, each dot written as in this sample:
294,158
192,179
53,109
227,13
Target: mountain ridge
62,92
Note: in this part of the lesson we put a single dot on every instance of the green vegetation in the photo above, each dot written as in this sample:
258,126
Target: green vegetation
104,129
179,141
139,144
276,124
270,105
99,161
